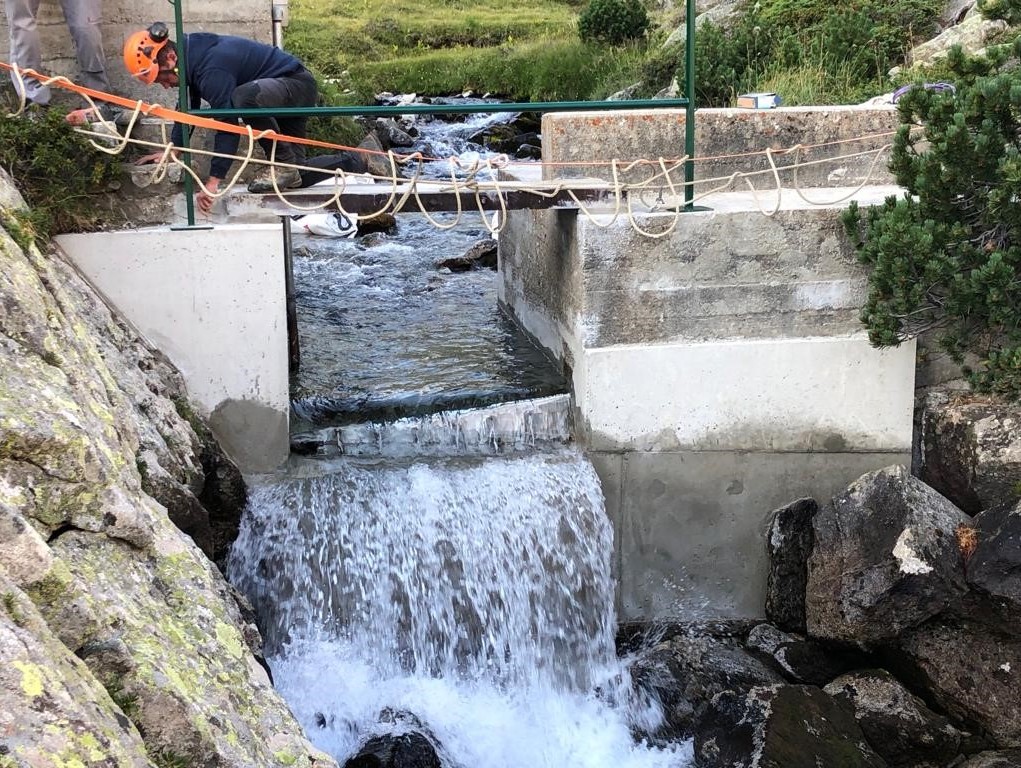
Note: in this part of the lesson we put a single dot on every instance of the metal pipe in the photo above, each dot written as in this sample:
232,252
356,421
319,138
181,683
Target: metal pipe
440,109
278,14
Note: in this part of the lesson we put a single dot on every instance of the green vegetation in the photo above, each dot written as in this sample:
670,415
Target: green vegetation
613,21
947,256
57,171
810,51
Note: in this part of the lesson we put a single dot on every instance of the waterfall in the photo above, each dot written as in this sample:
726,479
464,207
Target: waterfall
475,593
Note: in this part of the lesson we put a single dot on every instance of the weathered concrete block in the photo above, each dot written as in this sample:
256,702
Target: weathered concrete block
838,146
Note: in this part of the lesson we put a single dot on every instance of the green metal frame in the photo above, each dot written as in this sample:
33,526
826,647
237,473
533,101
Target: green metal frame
431,109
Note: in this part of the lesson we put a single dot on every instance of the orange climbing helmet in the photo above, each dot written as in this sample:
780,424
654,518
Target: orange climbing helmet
140,50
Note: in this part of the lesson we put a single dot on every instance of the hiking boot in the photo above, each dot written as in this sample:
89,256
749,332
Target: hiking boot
286,178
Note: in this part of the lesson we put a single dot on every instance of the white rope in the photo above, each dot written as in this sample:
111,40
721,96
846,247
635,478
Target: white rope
465,179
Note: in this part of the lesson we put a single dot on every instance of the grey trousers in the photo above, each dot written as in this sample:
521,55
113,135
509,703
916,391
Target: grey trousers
83,18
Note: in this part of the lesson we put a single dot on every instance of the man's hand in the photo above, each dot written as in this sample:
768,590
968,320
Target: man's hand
79,116
155,157
204,197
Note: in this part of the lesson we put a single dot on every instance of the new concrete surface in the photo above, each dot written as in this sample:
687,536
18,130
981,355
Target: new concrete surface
213,301
718,364
690,526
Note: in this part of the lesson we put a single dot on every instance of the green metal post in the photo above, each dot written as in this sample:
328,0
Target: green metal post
183,105
689,92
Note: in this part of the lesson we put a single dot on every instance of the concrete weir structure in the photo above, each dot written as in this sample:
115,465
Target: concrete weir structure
213,301
719,371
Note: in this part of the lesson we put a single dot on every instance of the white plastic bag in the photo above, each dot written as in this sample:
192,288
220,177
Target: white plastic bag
334,224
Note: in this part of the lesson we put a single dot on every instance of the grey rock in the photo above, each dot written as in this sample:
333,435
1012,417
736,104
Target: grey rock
972,34
1010,758
107,573
970,671
897,724
49,702
684,672
885,559
994,568
789,540
783,726
801,660
970,449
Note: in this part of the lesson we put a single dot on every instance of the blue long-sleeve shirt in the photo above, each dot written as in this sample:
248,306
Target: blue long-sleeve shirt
216,65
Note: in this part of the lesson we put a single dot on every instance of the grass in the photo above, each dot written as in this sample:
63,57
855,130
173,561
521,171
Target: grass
809,51
335,36
548,69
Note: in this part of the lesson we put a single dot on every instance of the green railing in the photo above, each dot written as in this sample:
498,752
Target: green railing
439,109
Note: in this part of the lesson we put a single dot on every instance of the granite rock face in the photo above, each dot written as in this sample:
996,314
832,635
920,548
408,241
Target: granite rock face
121,642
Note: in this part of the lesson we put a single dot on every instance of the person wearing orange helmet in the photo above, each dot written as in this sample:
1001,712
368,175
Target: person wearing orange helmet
83,18
229,72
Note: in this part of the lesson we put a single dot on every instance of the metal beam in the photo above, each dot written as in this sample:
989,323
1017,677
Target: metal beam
402,198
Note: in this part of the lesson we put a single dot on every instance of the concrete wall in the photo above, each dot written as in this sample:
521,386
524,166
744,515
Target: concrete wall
719,371
213,301
839,144
247,18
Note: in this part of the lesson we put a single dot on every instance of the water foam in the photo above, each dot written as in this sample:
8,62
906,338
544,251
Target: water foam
475,594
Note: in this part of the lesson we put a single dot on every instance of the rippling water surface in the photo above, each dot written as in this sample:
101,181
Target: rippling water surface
384,333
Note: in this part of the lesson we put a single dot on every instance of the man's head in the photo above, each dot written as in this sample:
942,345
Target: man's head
151,57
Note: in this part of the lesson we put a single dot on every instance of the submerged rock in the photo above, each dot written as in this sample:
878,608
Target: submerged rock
781,726
481,255
411,745
684,672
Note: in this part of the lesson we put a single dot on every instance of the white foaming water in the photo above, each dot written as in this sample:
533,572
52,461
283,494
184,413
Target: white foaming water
474,594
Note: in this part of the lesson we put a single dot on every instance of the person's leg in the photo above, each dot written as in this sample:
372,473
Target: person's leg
297,91
302,91
349,162
26,48
83,20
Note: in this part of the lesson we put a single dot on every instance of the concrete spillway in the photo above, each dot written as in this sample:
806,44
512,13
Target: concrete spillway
717,372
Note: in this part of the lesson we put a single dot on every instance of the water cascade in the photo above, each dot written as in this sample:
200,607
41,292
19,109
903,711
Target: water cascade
443,564
474,593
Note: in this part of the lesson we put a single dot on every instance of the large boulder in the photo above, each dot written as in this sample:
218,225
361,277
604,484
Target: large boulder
885,559
994,567
52,710
782,726
970,449
800,659
897,724
970,671
684,672
789,540
1010,758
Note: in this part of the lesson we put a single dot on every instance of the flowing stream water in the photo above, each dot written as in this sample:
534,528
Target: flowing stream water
457,588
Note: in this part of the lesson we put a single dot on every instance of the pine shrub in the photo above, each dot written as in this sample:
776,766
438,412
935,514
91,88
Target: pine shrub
613,21
946,257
